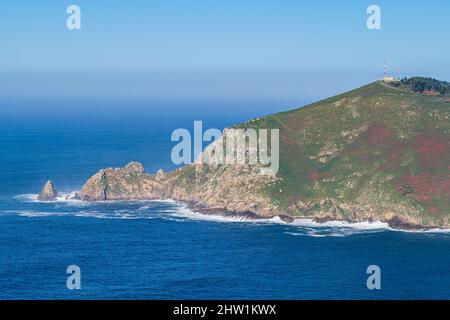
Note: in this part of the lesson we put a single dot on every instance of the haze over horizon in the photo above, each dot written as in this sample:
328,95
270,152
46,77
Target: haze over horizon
284,54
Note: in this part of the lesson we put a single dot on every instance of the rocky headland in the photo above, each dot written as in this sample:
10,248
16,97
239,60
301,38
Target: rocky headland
374,153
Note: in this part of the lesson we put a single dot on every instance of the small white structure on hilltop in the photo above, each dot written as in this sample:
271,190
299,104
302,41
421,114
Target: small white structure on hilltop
387,78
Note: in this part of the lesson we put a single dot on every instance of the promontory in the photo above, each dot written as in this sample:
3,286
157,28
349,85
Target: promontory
380,152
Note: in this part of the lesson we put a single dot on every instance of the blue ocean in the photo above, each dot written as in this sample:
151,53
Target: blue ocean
161,249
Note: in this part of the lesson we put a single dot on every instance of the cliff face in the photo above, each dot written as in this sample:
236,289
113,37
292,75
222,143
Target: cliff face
373,153
230,188
126,183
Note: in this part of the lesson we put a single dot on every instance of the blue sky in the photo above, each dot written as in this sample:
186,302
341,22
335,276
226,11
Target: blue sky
240,48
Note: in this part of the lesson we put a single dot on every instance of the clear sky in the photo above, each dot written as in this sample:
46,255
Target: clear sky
242,48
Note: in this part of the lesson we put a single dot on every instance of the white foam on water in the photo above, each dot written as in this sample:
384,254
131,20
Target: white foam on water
70,197
100,215
366,225
179,212
63,197
34,214
65,200
151,206
83,214
436,230
339,228
184,212
306,227
27,197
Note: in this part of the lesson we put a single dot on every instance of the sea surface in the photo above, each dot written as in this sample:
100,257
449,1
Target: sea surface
162,250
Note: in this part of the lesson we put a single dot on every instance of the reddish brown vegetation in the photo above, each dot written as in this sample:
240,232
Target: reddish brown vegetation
434,210
425,186
298,124
314,176
430,93
379,134
432,150
395,155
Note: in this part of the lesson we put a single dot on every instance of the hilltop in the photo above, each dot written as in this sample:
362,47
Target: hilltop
423,85
380,152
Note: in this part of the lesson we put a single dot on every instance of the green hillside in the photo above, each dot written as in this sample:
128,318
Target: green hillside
377,148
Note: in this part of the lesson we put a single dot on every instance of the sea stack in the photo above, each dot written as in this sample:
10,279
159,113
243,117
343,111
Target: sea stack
48,193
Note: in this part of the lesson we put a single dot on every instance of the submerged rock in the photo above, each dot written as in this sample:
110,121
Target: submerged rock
48,193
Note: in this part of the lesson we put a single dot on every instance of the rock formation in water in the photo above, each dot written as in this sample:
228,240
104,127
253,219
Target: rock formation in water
48,193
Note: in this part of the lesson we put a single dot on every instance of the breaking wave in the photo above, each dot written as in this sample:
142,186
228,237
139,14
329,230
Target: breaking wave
63,197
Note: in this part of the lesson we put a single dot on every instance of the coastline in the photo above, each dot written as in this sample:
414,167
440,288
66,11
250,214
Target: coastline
228,213
395,224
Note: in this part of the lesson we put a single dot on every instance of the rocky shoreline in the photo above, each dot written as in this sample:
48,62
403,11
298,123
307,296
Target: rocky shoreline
233,214
396,223
200,207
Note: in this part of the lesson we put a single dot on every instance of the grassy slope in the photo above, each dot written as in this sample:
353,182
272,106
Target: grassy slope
375,146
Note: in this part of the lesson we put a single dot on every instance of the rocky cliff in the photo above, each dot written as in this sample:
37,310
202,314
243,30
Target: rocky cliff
236,189
374,153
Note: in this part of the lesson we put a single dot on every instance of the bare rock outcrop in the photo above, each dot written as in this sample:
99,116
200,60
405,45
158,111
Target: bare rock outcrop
48,193
128,183
229,188
160,175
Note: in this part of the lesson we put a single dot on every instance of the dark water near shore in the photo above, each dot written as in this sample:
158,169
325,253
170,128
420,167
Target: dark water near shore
161,250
